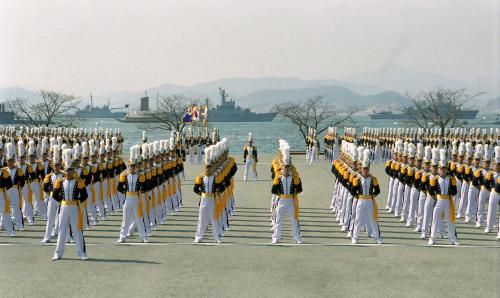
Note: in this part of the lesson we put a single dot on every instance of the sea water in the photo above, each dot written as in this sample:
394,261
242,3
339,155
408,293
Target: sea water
265,134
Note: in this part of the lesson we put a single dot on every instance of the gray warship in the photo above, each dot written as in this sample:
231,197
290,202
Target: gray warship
91,111
227,111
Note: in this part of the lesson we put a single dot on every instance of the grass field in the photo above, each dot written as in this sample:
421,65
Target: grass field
246,264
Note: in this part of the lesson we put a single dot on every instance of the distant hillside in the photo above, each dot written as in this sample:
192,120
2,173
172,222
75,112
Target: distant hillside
492,106
13,92
342,97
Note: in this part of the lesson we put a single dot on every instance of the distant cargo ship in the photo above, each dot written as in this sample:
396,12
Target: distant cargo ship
227,111
465,114
7,117
90,111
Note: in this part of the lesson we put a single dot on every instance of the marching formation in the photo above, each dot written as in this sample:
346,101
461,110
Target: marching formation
215,185
151,186
355,192
73,178
433,175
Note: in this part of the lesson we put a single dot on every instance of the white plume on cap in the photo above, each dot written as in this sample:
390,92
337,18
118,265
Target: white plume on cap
85,149
411,150
67,158
286,155
420,150
10,150
366,158
76,151
133,155
144,135
435,157
497,154
156,147
102,149
145,151
114,143
31,148
172,144
461,149
443,162
487,153
21,151
208,156
479,151
360,150
92,147
250,136
56,154
468,149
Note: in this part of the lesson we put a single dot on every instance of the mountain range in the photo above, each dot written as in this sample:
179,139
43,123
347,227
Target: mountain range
379,90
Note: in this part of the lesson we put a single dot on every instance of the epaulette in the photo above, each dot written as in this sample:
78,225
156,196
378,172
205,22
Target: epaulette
58,182
198,180
80,183
142,178
374,181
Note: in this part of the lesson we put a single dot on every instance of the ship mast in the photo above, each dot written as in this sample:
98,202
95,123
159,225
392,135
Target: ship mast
91,100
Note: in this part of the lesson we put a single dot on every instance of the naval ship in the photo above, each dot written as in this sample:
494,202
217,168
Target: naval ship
227,111
91,111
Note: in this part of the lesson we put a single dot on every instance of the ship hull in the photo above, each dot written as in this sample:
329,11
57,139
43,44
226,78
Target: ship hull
261,117
389,116
100,115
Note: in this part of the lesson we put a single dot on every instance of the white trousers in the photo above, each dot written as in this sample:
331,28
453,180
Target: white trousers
464,195
484,196
68,219
285,206
39,204
399,198
99,200
364,215
442,206
492,210
206,217
51,227
27,209
130,215
15,202
413,211
389,193
429,219
249,167
421,210
471,210
5,214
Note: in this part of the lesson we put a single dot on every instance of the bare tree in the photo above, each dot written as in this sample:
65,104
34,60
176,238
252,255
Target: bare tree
170,111
438,107
53,109
313,112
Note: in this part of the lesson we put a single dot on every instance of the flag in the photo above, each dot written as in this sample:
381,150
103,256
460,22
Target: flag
192,114
205,115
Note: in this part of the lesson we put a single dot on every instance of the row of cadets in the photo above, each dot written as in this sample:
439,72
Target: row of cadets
5,201
196,144
442,188
286,188
132,185
331,144
355,192
12,212
71,193
49,182
250,158
365,189
312,146
371,138
215,185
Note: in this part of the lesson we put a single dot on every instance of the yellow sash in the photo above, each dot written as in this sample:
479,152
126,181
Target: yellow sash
6,205
101,191
153,199
30,194
147,203
92,193
139,207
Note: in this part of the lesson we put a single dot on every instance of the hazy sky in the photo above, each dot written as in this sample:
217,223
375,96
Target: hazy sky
103,46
